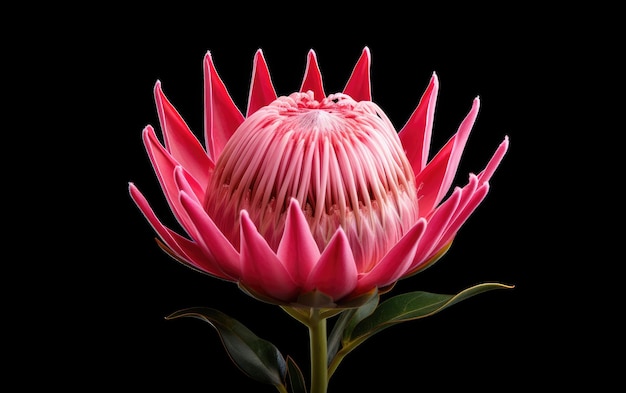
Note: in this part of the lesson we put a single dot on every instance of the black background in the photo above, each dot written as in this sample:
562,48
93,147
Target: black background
99,322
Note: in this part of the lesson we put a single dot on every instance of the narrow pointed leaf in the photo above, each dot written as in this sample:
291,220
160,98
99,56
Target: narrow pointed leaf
346,322
413,305
257,358
334,338
361,313
296,379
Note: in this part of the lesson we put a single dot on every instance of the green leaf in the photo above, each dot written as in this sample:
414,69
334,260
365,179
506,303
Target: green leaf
257,358
346,322
361,313
334,338
296,379
410,306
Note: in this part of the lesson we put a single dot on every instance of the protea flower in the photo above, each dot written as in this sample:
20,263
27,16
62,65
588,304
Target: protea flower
309,199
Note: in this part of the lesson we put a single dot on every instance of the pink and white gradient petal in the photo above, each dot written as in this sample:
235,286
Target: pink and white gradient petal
460,219
434,181
221,115
261,269
210,238
396,262
179,141
164,166
262,90
313,77
335,274
473,196
184,250
494,162
185,182
435,228
416,134
298,249
359,85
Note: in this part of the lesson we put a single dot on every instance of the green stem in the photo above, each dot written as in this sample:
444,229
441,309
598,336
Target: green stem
281,388
318,345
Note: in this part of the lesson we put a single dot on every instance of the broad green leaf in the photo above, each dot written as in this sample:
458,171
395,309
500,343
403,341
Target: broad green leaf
410,306
257,358
296,379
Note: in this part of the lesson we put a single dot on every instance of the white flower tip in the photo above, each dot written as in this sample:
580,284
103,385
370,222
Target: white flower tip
157,86
476,103
244,215
294,202
179,171
505,143
434,79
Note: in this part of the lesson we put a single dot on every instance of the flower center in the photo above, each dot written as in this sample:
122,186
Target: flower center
341,159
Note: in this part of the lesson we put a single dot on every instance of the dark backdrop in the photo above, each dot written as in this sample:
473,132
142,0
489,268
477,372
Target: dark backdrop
116,286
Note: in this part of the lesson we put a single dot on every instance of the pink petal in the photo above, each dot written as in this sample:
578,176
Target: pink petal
396,262
164,165
221,115
335,274
495,160
313,77
262,90
359,85
472,196
185,182
416,133
261,269
297,248
184,250
210,238
466,194
180,142
435,228
461,217
435,180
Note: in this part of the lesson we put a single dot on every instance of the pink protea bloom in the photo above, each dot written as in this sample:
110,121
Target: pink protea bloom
309,199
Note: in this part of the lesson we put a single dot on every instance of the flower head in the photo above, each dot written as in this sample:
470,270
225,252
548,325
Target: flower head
309,199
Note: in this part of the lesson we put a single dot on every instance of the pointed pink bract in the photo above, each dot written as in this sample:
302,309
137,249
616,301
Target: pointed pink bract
435,228
185,251
416,133
494,162
164,166
211,238
359,84
180,142
434,181
262,91
396,262
313,78
297,248
335,273
261,269
221,115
